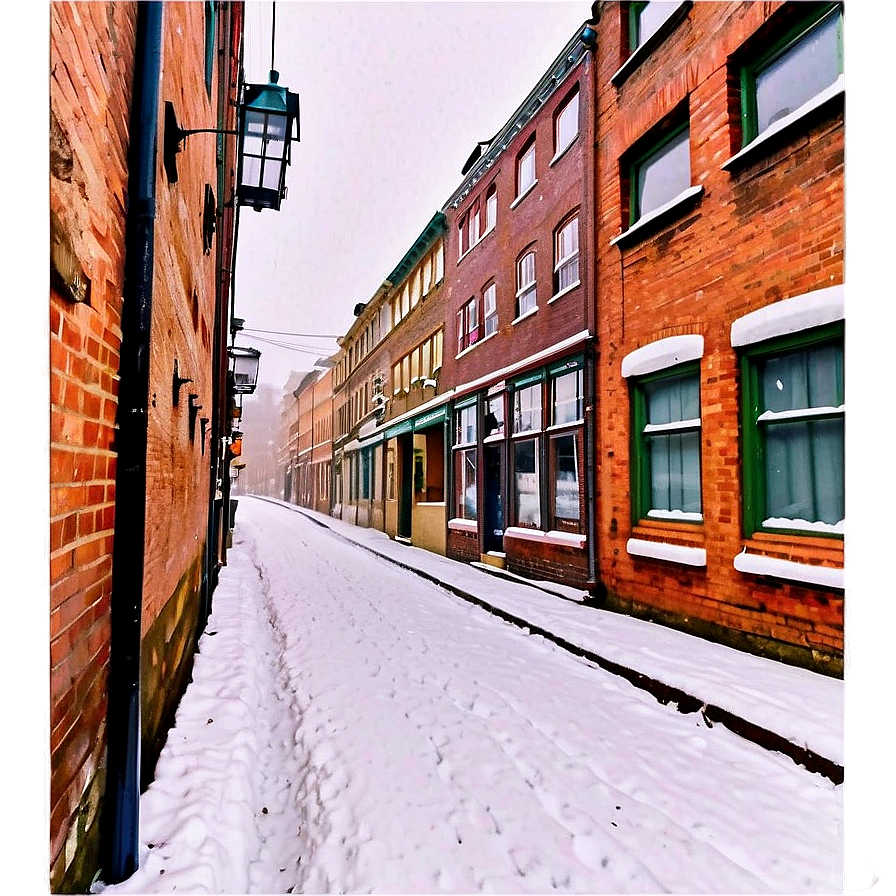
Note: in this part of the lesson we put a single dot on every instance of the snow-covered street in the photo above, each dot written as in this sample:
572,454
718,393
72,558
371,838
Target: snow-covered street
352,727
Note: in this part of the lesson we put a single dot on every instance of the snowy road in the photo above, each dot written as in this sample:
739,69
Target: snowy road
352,728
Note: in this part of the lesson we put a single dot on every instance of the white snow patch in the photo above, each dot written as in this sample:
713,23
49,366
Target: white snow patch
674,553
662,354
757,564
793,315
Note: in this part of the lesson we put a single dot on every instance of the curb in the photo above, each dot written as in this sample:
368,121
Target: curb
663,693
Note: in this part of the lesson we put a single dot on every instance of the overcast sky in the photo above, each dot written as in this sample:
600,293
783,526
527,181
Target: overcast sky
393,98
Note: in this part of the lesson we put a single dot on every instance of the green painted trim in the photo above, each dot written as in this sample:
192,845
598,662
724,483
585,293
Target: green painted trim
462,403
752,449
639,466
210,33
528,380
791,37
566,366
437,416
427,239
634,11
399,429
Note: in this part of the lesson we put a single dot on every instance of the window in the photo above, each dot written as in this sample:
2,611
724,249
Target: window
527,409
465,425
525,280
645,20
566,251
474,224
437,351
396,379
491,207
794,433
526,491
792,72
525,169
493,424
666,450
462,242
567,398
660,175
465,483
566,125
440,262
490,310
566,506
468,325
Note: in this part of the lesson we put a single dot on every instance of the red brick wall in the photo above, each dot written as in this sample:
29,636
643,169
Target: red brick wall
91,60
767,232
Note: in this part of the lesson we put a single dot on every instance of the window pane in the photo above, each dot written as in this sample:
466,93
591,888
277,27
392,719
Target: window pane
527,409
675,472
674,399
494,417
568,397
465,422
801,72
803,379
491,209
525,484
650,17
465,484
665,174
804,471
566,479
567,124
526,171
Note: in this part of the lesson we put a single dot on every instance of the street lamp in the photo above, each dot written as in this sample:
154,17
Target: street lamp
269,114
244,368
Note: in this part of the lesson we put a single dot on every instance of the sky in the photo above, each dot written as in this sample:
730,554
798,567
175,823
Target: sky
341,739
393,98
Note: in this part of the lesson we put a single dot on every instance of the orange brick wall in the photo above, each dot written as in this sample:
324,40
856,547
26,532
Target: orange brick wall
767,232
91,61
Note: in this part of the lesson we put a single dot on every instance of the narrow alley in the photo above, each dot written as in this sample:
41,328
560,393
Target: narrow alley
351,727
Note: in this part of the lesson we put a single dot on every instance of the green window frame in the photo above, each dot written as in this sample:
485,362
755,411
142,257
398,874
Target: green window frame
792,457
820,68
643,21
644,168
210,22
666,457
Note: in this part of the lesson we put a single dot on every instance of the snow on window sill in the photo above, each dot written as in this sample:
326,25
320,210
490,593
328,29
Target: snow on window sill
564,291
524,194
791,121
673,553
562,152
463,525
667,210
524,315
566,539
663,353
801,413
787,316
682,516
759,565
777,522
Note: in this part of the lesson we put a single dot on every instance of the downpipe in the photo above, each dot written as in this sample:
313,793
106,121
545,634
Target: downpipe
121,808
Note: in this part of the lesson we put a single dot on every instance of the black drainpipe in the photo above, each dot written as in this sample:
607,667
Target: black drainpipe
121,809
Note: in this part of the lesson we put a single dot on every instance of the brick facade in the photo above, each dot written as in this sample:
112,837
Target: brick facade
766,230
92,59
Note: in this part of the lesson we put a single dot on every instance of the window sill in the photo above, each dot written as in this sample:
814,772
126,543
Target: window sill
559,155
785,126
460,525
671,553
524,194
523,316
565,539
481,238
639,54
564,291
658,216
477,343
774,567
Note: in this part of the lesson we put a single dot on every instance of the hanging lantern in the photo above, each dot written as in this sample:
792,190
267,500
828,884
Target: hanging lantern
244,368
269,114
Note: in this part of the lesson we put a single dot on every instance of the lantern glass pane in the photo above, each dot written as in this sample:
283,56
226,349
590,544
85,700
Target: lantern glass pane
253,136
251,171
277,128
271,179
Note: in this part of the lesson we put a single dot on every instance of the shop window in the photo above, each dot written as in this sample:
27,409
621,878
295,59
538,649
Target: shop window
566,500
526,484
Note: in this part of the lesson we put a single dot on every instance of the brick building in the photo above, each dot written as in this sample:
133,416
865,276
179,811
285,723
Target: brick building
390,403
138,307
518,355
313,458
719,246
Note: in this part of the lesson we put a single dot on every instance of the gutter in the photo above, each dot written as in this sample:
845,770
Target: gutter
122,800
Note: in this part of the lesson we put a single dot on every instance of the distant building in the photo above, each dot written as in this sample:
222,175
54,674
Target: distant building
719,243
519,353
